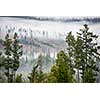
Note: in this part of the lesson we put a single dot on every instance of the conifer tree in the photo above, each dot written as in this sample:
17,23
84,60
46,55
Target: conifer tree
33,74
78,57
83,54
16,54
62,70
37,75
70,39
8,58
18,79
13,51
89,55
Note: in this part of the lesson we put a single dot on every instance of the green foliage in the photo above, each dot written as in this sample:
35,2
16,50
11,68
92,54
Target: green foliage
37,76
83,54
33,74
89,52
16,52
79,60
70,39
13,51
1,60
8,59
19,79
2,78
49,78
62,72
76,64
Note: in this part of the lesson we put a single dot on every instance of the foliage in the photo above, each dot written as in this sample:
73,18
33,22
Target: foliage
33,74
62,72
18,79
89,52
13,51
1,60
16,53
78,63
8,59
83,54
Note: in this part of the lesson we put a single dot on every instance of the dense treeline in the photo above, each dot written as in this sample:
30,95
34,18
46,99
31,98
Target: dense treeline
70,19
78,63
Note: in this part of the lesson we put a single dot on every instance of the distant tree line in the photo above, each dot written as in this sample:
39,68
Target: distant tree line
88,19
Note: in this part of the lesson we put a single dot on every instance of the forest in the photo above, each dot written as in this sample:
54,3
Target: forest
78,63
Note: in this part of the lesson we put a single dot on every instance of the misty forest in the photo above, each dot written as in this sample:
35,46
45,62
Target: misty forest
49,50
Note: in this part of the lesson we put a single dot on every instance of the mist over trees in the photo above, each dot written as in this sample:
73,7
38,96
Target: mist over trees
76,64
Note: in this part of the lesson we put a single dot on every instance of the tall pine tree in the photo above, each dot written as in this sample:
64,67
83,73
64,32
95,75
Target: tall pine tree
83,54
16,54
90,54
8,59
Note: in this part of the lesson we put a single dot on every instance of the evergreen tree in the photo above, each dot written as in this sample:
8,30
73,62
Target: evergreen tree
40,71
74,51
70,39
90,54
37,75
18,79
16,54
13,51
62,70
83,54
33,74
8,58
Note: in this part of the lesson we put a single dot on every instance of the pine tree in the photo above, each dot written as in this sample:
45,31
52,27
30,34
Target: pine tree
18,79
13,51
83,54
8,58
33,74
78,57
40,71
74,51
16,54
37,75
62,70
90,54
